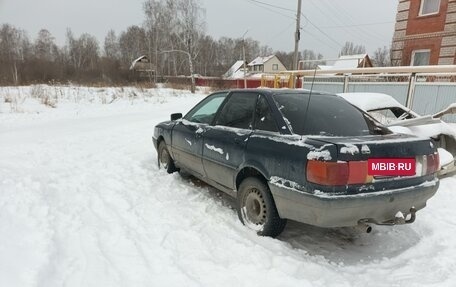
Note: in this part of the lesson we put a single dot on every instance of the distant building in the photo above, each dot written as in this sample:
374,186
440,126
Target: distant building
349,62
236,71
270,64
425,33
142,67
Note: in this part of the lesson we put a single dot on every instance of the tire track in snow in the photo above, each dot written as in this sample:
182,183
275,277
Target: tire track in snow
99,213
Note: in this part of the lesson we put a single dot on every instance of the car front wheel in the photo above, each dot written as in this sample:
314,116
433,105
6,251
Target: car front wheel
256,208
164,159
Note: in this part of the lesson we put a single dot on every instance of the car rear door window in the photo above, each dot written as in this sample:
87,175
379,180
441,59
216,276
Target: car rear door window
238,111
205,111
264,119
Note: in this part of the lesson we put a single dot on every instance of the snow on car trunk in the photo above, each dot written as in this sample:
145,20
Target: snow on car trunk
82,203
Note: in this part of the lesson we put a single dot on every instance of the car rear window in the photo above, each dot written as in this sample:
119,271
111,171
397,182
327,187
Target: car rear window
327,115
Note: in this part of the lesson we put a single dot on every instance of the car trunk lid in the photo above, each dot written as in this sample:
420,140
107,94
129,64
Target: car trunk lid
353,169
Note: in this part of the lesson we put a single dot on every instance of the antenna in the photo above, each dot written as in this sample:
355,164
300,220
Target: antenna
310,96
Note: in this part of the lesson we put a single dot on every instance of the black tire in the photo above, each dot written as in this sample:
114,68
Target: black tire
256,208
164,159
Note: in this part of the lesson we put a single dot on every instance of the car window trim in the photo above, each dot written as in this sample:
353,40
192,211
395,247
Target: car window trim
211,95
228,97
270,110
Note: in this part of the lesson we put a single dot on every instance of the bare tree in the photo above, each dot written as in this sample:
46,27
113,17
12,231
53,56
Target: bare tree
83,51
183,23
158,30
351,49
111,46
132,44
188,27
44,46
14,44
310,58
382,57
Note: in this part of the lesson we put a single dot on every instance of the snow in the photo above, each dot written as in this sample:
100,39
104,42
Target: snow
350,149
365,149
324,154
132,66
285,183
82,203
372,101
431,130
213,148
345,62
349,61
260,60
445,157
235,71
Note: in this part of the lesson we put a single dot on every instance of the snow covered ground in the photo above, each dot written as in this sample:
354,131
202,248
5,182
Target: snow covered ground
82,203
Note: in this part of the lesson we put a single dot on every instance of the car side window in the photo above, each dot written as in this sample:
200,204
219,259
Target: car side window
238,111
264,119
205,111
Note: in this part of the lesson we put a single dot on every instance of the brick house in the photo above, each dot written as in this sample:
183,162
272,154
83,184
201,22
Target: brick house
425,33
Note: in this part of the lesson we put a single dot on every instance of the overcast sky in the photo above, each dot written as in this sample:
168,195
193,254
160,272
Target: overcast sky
330,22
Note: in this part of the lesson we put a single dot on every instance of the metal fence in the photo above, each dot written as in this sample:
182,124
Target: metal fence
423,93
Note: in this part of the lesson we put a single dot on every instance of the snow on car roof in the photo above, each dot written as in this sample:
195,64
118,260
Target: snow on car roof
371,101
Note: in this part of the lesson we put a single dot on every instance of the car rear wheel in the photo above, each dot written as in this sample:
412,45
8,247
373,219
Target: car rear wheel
164,159
256,208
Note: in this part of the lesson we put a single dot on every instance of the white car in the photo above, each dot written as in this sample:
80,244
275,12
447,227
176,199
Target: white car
401,119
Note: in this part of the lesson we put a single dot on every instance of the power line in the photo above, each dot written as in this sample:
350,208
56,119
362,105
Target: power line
263,5
319,40
321,31
348,15
335,15
274,6
356,25
282,31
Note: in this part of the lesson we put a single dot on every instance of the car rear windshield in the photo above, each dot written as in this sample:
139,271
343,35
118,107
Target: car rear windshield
327,115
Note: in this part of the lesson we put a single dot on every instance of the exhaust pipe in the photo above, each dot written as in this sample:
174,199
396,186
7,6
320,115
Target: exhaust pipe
364,228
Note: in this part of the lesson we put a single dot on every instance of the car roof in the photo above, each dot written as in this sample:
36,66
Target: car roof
278,91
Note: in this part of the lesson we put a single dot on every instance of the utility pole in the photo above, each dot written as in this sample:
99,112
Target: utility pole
243,56
297,36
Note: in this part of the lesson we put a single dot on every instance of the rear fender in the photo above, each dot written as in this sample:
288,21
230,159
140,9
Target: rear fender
254,165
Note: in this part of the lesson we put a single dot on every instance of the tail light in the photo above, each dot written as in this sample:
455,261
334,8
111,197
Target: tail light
428,164
337,173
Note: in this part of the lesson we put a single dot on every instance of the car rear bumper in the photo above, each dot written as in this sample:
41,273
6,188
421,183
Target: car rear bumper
328,210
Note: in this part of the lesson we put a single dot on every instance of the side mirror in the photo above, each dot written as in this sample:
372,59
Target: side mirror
176,116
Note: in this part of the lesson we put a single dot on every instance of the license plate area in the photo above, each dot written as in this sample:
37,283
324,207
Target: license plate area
391,167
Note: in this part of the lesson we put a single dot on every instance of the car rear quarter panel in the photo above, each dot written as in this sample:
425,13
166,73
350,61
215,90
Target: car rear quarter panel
285,157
